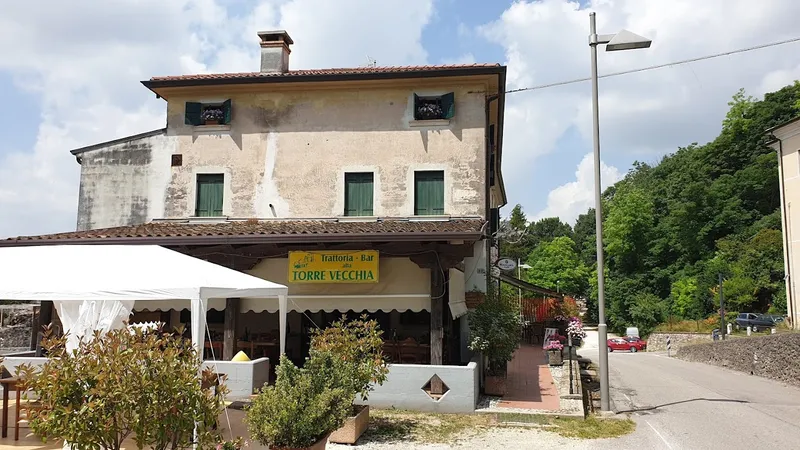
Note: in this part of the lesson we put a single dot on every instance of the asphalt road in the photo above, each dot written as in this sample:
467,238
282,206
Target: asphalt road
683,405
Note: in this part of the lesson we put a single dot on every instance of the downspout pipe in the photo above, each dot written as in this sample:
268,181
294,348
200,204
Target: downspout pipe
487,188
787,266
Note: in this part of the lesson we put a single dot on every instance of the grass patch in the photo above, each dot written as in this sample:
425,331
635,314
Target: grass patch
404,426
397,425
570,427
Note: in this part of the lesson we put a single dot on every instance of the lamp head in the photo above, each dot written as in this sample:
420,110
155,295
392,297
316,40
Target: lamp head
626,40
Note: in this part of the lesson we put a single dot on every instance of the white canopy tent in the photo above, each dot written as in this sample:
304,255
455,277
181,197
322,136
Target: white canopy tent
94,287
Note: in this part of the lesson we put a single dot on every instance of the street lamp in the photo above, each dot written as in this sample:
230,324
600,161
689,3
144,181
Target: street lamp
624,40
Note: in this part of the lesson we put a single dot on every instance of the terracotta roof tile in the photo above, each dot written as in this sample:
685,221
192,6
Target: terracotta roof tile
322,72
272,230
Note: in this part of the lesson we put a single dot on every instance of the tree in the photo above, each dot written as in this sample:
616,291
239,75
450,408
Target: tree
556,265
684,299
518,221
547,229
671,228
585,241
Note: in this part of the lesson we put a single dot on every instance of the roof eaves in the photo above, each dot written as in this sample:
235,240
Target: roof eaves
781,125
322,77
500,121
251,239
121,140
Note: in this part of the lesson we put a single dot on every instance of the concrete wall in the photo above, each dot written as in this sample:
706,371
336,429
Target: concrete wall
773,356
403,388
789,172
244,377
657,342
282,149
124,183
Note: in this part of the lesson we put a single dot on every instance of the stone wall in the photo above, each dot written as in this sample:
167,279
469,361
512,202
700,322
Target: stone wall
15,338
772,356
657,342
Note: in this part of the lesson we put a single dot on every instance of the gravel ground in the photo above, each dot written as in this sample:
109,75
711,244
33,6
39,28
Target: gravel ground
496,439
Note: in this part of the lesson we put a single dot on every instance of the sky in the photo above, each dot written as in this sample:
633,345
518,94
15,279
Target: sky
70,72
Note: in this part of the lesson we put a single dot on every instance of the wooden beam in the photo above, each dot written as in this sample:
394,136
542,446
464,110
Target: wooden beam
229,338
45,318
437,330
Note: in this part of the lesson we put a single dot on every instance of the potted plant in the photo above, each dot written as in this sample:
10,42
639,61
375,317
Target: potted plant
357,347
575,331
495,327
302,408
429,110
212,116
554,348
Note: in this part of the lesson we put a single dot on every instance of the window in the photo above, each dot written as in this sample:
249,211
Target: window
358,191
197,114
429,193
434,108
210,191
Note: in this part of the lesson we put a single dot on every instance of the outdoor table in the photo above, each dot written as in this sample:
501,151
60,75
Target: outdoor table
8,383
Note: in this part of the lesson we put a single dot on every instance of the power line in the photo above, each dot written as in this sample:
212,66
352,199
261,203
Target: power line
659,66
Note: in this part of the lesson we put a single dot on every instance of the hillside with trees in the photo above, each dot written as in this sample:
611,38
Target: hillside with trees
672,227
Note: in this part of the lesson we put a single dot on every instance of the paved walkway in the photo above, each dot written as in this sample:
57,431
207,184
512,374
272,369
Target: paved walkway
529,383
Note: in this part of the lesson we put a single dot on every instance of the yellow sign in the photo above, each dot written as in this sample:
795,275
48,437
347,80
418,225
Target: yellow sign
345,266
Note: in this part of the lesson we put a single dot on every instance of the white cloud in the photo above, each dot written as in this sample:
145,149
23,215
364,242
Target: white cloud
572,199
86,58
643,115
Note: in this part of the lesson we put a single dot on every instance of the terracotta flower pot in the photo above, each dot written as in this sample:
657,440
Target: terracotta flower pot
353,427
319,445
494,385
211,122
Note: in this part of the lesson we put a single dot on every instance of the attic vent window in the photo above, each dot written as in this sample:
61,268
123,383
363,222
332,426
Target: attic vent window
434,107
199,114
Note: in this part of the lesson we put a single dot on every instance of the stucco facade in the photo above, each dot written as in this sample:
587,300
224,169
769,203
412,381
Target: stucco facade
787,144
285,154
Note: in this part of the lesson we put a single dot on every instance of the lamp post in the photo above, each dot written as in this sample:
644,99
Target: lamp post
624,40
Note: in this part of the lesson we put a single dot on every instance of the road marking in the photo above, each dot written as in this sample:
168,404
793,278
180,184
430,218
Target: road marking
658,434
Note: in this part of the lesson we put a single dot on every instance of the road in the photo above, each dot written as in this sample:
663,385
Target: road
683,405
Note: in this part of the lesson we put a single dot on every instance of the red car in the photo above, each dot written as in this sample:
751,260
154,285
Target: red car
629,343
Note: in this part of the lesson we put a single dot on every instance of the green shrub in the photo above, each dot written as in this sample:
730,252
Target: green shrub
495,329
357,346
303,406
120,384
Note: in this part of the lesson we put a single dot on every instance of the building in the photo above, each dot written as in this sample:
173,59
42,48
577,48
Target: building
373,189
785,139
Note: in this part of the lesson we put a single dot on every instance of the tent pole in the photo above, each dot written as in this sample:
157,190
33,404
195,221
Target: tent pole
283,304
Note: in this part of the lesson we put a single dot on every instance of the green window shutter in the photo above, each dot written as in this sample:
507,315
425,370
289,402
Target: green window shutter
192,113
448,105
429,193
416,105
210,193
358,194
226,111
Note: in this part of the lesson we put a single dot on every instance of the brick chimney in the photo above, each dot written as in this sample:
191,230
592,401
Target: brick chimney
275,51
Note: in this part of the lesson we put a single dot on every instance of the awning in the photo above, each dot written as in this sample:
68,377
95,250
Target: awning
525,286
313,303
